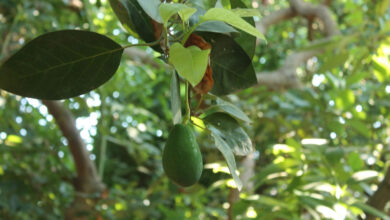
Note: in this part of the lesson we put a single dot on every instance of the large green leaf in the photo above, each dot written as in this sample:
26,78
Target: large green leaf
122,12
190,62
245,40
151,8
227,107
132,15
221,14
227,153
61,65
232,67
230,130
216,27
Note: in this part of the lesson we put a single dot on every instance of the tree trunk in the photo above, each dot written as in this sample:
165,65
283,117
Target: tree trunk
87,184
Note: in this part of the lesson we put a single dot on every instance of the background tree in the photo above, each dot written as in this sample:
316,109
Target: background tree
319,123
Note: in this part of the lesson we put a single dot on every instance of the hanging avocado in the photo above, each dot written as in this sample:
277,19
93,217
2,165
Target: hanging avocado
182,160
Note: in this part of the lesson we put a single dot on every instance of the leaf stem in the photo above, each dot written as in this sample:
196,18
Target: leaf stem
187,35
187,104
199,102
144,44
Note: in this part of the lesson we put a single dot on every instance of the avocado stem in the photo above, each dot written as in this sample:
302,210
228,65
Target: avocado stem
187,104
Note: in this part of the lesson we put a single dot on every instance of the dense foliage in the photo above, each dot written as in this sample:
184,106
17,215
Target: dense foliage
321,150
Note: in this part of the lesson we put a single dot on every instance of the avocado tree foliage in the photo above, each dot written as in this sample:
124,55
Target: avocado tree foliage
68,63
209,49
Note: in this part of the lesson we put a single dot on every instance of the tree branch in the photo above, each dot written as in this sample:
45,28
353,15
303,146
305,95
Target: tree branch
143,57
274,18
87,178
87,184
382,195
285,76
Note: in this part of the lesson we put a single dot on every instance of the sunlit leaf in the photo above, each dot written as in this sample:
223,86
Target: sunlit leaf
227,153
221,14
190,62
228,128
168,10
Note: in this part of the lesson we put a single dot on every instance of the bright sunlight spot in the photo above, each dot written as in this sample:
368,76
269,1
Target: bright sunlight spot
230,183
314,141
251,213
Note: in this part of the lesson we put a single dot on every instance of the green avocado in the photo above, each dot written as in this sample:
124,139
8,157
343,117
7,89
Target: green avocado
182,160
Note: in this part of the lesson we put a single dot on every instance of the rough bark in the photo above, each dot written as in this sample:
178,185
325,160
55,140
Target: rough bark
87,184
285,76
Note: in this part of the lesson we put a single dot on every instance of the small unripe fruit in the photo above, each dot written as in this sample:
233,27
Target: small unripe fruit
182,160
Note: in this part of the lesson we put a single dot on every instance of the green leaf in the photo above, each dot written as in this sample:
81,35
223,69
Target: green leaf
227,153
246,12
122,12
334,154
355,162
356,78
381,70
343,98
61,64
232,68
190,62
142,23
230,130
221,14
224,106
333,61
151,8
215,27
245,40
371,210
360,127
168,10
175,99
328,43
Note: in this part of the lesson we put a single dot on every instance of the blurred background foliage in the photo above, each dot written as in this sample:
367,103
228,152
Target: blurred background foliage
320,150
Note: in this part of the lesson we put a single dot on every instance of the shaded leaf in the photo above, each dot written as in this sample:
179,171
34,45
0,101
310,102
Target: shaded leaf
245,40
142,23
232,68
122,12
230,130
151,8
61,65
